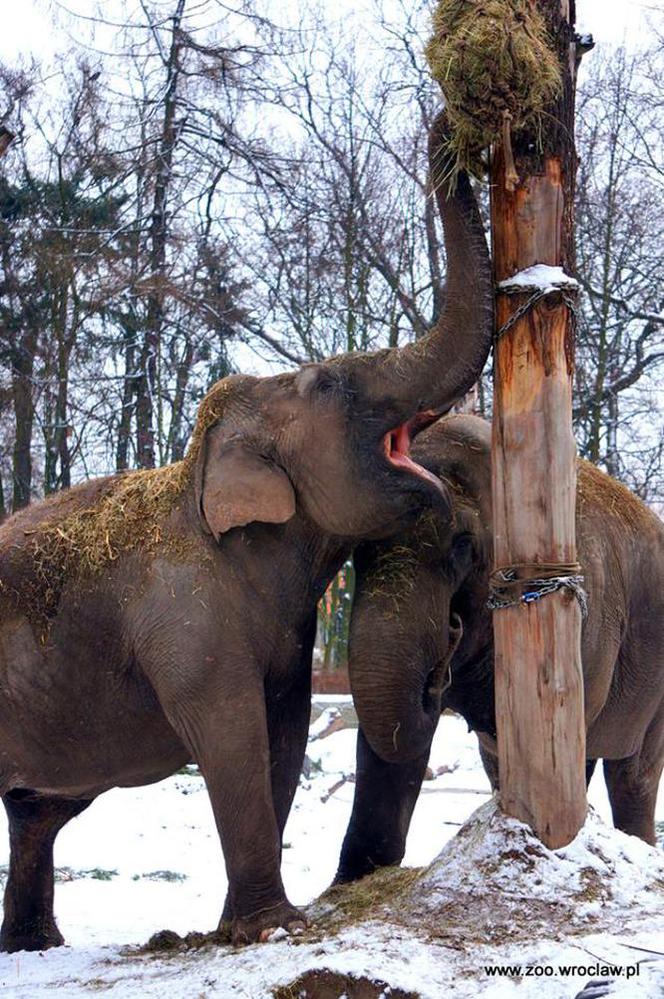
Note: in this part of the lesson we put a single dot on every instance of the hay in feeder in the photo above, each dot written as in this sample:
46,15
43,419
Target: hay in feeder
495,63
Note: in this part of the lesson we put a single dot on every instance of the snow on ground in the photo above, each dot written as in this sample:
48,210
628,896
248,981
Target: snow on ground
140,860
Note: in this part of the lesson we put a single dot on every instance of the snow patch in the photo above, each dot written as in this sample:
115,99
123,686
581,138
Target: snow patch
334,754
324,723
280,933
539,277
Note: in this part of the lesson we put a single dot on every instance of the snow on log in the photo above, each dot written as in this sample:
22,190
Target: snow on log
539,277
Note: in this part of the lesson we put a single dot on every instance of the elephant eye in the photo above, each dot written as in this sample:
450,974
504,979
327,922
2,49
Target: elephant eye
315,380
326,384
462,548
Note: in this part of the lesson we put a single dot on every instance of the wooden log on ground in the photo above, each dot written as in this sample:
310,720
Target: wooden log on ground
539,687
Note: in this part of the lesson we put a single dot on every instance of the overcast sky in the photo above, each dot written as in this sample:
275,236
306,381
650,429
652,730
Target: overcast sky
28,29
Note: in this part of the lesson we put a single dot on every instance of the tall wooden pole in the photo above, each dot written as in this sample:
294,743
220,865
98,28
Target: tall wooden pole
539,688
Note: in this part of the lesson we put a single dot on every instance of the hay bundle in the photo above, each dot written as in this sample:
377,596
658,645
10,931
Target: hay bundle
495,64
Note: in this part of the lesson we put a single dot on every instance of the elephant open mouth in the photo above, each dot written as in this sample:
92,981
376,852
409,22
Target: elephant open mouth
396,445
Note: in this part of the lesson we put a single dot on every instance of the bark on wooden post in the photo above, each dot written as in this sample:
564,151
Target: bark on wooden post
539,690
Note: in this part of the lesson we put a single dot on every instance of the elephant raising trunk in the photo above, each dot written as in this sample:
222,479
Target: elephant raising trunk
169,615
442,366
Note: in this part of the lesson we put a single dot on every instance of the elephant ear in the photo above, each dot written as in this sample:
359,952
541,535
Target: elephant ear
236,486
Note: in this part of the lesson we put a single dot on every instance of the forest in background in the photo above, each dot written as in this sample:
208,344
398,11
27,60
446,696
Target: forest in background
197,188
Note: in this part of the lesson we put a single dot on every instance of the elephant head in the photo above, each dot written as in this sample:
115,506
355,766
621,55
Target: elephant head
331,440
413,594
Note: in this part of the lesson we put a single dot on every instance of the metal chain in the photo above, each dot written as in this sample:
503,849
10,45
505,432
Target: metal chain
534,589
572,303
526,306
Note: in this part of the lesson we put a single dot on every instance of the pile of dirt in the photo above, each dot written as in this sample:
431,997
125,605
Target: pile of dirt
327,984
495,883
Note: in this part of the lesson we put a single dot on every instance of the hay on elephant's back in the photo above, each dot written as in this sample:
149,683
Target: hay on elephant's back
130,515
613,498
491,58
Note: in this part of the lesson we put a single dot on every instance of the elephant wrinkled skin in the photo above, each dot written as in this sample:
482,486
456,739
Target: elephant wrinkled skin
421,641
169,615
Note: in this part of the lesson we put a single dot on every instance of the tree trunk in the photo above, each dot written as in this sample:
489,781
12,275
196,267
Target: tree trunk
124,426
48,427
613,416
539,685
57,422
61,412
22,369
177,442
146,385
433,252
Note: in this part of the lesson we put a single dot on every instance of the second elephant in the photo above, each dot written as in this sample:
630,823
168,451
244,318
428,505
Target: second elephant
421,641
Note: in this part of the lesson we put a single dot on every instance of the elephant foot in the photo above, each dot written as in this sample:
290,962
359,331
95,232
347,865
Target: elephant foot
225,930
30,939
259,927
348,873
362,855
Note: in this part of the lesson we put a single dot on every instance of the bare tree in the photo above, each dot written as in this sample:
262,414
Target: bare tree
620,210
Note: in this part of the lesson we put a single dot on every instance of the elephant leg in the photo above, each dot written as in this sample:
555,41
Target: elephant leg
288,727
385,796
228,737
34,822
490,764
633,784
590,770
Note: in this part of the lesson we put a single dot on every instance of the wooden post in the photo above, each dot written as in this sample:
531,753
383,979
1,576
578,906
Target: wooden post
539,687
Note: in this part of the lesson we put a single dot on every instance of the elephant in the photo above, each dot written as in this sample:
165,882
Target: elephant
421,641
168,615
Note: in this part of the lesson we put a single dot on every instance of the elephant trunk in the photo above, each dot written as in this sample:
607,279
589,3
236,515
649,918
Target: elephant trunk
443,365
397,697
